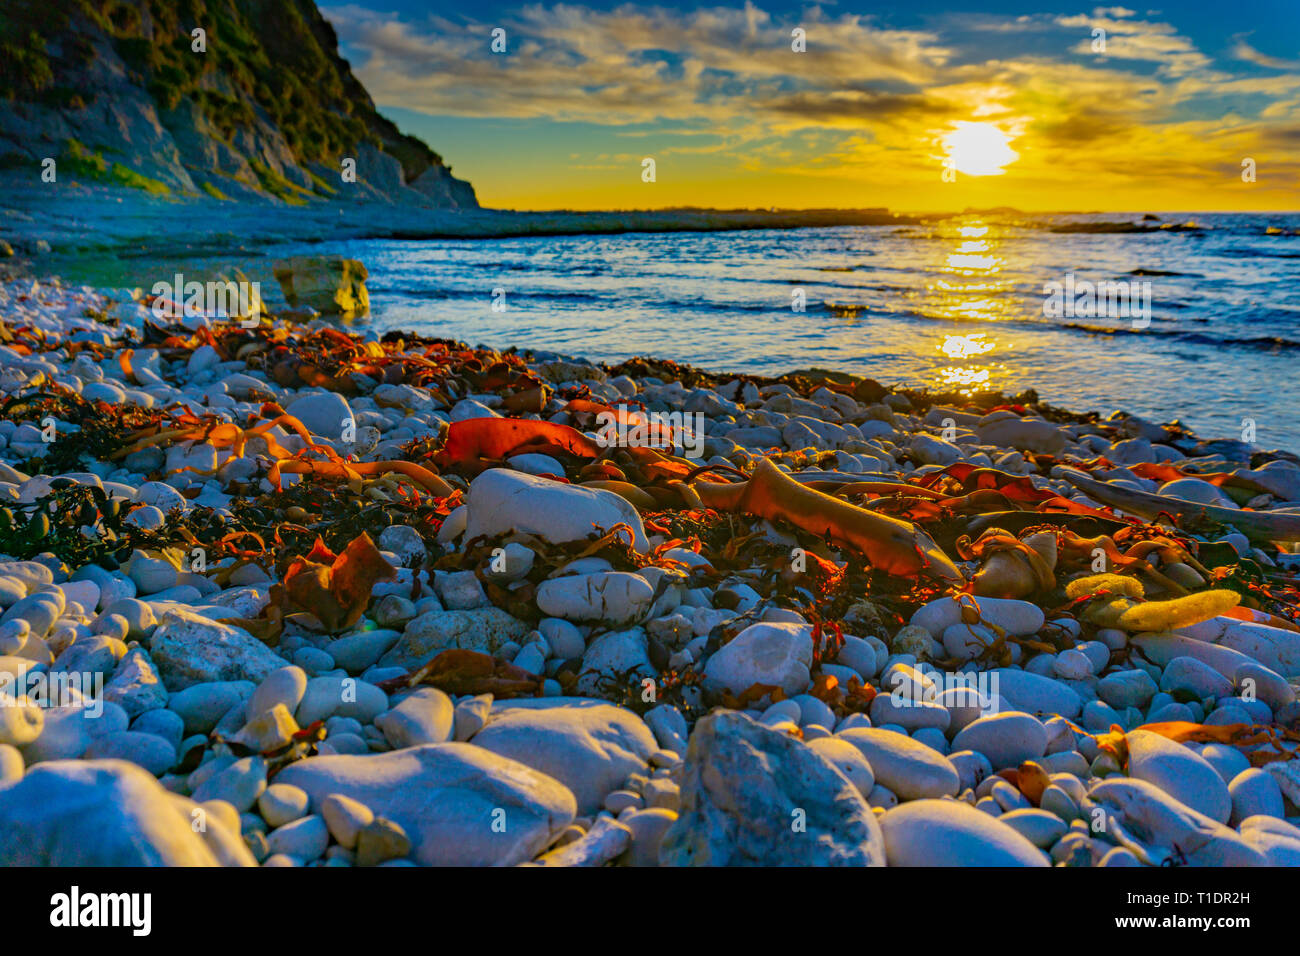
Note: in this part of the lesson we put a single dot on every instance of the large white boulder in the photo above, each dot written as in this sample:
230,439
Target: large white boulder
501,500
449,798
764,653
756,796
590,749
105,813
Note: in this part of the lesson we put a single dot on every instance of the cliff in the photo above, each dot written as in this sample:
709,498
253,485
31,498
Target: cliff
258,105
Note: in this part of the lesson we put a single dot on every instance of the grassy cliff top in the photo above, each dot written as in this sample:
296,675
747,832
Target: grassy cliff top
277,56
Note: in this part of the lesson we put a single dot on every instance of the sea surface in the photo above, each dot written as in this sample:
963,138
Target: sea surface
953,303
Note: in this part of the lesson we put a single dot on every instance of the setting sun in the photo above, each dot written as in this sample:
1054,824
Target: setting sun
978,149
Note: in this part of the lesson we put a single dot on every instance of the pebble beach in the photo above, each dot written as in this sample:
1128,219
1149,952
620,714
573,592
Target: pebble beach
282,592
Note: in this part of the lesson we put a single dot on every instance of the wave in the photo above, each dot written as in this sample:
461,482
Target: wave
1263,343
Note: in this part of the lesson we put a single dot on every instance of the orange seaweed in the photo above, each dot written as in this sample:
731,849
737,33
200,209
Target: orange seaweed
336,592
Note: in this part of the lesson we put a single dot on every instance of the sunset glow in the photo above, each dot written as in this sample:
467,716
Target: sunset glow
1019,105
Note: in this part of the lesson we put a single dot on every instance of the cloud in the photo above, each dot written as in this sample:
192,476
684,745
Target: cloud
861,95
628,64
1137,40
1244,51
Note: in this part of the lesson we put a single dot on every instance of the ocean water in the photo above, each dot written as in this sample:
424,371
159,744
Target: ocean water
957,303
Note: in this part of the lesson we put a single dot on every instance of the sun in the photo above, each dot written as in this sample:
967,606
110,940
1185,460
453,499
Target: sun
978,149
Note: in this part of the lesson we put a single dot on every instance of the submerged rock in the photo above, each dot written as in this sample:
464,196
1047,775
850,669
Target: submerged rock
331,285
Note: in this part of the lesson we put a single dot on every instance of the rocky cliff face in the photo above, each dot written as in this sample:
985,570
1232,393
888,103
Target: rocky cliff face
230,98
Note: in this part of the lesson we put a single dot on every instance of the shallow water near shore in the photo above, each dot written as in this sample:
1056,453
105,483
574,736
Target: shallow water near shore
956,303
952,304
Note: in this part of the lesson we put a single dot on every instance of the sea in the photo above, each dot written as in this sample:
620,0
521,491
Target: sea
1196,316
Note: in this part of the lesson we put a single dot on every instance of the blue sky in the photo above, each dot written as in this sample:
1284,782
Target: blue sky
1162,117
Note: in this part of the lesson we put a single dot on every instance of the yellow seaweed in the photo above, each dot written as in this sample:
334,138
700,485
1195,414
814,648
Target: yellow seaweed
1180,612
1117,584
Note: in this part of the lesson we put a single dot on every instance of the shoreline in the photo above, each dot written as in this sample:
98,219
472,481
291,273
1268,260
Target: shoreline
95,219
99,219
466,616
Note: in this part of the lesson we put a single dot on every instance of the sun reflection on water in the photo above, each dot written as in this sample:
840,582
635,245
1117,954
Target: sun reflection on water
971,288
965,346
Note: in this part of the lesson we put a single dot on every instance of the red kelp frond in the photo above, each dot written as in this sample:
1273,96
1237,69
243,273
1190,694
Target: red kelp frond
469,442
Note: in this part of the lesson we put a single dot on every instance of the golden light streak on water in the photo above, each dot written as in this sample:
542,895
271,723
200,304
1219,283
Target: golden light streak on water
971,288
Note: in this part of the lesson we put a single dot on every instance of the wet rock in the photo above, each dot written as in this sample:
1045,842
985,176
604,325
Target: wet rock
329,284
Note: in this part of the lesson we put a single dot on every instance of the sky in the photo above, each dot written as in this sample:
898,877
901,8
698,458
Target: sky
916,106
